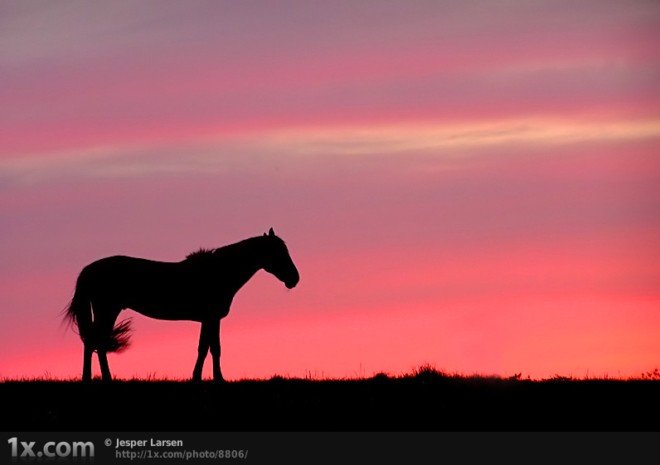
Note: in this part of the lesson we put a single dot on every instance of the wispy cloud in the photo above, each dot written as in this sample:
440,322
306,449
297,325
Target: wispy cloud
439,138
296,145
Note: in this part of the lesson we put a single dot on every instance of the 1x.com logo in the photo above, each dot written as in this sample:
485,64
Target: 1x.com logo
51,449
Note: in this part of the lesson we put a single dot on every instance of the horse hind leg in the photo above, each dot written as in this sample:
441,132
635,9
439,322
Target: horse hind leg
104,321
105,368
88,351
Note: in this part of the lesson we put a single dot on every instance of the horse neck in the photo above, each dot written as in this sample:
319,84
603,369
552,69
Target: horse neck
249,258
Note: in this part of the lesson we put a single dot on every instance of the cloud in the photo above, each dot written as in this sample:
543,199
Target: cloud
301,146
77,75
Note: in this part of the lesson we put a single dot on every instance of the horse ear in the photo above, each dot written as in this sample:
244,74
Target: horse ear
271,232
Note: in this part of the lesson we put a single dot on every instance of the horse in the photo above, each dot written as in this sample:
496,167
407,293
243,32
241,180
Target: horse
199,288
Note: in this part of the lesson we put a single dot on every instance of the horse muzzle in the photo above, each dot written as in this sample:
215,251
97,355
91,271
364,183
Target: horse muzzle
290,284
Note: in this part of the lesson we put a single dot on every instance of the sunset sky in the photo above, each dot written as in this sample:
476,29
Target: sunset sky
474,185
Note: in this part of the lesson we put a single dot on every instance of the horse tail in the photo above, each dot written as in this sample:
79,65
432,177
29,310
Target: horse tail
78,314
119,338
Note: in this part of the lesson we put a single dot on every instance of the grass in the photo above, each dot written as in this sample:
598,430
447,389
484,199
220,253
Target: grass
425,399
425,371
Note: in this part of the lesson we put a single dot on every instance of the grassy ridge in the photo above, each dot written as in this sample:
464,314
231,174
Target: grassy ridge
423,401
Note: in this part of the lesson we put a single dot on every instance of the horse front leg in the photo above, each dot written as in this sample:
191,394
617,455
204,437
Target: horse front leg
202,349
215,352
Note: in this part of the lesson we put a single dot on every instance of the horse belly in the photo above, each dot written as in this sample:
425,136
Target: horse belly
173,308
173,314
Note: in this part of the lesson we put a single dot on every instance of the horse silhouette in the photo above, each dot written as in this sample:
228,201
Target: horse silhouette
199,288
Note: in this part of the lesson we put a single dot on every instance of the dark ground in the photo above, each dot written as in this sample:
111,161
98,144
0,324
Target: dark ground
428,401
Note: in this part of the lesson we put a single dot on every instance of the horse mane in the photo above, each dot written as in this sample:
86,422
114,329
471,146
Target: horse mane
204,253
200,253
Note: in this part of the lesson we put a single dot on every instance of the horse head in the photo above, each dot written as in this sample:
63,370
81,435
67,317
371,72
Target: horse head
278,262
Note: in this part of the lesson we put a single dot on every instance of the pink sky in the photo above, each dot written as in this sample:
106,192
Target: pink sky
471,186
